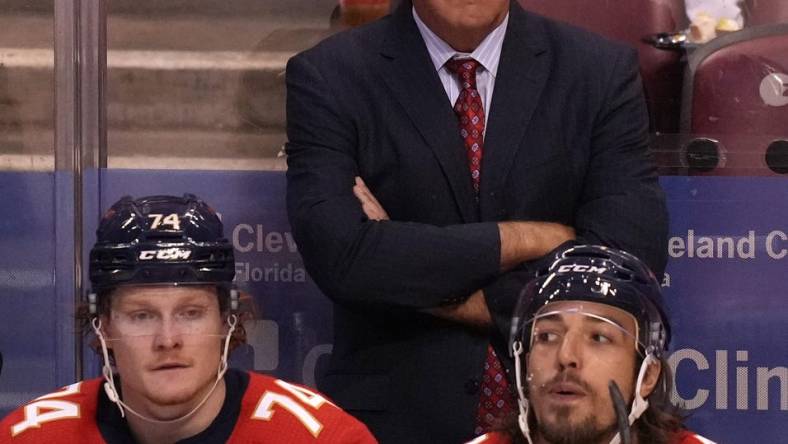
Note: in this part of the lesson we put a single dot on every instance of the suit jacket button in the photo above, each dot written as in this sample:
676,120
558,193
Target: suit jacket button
472,386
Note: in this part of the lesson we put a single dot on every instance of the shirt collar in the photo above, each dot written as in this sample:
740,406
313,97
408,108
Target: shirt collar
488,53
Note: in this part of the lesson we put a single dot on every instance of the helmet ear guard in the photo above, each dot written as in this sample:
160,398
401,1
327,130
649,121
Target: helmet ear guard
234,300
93,304
659,339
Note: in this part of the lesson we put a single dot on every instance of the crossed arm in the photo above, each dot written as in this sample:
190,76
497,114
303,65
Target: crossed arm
520,242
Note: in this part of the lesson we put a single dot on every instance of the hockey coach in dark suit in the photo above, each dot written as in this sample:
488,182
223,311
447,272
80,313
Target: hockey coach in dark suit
432,155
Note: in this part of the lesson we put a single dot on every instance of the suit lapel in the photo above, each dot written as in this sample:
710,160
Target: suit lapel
407,69
522,74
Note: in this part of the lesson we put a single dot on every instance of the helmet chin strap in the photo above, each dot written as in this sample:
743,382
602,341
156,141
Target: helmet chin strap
522,401
639,404
112,393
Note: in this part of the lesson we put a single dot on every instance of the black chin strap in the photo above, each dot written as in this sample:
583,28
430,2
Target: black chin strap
620,407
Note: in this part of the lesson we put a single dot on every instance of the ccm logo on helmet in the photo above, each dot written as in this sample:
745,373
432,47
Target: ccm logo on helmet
581,269
171,254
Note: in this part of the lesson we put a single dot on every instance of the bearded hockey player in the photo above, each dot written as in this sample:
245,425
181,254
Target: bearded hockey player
589,336
164,312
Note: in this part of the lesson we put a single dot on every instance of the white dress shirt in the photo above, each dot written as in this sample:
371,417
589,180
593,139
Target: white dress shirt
488,54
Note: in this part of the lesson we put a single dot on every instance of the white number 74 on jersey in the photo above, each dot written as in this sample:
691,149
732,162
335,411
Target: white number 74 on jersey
265,408
45,409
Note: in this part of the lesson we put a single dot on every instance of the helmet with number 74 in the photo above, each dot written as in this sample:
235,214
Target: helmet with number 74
160,239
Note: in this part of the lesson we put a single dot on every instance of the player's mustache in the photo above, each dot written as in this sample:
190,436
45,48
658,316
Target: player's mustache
570,377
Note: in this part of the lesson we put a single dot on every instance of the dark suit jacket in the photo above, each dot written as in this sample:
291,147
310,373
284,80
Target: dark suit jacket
566,142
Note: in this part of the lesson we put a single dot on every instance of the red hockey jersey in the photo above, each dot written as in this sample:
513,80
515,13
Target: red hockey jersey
684,437
271,411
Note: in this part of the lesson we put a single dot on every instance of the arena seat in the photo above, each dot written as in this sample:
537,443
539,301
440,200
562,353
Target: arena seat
735,106
630,21
764,12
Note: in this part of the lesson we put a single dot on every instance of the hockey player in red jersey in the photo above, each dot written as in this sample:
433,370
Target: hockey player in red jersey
588,337
164,313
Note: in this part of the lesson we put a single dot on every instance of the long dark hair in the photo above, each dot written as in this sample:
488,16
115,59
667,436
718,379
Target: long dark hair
657,425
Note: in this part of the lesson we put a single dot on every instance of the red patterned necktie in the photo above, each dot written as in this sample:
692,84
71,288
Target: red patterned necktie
470,112
495,401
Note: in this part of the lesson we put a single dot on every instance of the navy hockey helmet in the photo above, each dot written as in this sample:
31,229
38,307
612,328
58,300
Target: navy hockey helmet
601,275
160,239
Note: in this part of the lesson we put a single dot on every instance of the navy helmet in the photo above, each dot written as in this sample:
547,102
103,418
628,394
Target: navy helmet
160,239
602,275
